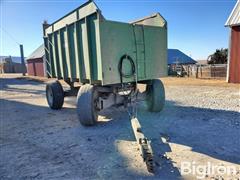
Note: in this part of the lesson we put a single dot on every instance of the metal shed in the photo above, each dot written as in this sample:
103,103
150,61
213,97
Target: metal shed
233,23
35,62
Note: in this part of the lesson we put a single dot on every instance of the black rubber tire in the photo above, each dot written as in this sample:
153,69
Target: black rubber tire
155,95
55,95
86,108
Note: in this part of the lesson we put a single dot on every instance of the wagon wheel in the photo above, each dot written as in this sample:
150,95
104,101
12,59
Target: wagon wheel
55,95
87,105
155,95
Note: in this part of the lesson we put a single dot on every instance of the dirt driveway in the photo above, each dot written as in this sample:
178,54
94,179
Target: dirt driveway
200,124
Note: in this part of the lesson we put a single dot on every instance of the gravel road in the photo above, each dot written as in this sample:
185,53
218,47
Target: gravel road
200,124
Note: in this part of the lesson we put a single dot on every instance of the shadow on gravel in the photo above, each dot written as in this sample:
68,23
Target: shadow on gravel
41,143
211,132
17,84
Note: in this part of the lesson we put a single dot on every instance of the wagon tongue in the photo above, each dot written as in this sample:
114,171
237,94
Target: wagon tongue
144,144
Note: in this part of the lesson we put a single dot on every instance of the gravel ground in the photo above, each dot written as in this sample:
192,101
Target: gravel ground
200,124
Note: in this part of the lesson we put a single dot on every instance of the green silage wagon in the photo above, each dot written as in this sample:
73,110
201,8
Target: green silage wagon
103,61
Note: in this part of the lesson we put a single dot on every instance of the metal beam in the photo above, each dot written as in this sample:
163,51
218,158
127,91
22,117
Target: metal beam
144,144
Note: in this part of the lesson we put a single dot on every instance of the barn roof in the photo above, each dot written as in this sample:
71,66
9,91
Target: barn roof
177,56
234,18
38,53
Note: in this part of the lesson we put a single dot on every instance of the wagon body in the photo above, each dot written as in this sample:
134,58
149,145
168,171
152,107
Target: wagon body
108,59
83,46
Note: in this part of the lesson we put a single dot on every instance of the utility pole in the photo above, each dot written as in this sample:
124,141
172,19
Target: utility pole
22,60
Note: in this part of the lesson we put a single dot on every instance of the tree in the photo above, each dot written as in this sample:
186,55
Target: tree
219,57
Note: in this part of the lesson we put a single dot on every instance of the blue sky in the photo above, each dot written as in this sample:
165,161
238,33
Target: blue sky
194,27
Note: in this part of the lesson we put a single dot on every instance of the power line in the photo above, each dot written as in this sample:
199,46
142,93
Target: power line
9,35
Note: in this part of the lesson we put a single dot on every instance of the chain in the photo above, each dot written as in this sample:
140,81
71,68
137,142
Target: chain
132,110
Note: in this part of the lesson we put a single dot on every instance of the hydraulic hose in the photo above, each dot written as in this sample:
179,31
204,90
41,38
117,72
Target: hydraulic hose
120,66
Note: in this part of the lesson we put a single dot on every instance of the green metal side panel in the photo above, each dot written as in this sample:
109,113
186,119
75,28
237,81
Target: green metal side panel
59,47
83,46
74,51
56,55
62,50
156,52
95,58
82,72
71,51
139,41
116,40
146,45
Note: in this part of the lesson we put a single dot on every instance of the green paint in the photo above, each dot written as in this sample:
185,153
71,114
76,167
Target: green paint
90,48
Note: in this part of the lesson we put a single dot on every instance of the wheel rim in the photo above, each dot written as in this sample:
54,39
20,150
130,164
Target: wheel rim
50,96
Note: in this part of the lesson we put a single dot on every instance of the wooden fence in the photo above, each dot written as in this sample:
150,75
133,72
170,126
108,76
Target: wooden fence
206,71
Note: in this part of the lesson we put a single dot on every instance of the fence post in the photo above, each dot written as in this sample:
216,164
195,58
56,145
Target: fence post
22,60
197,72
200,70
